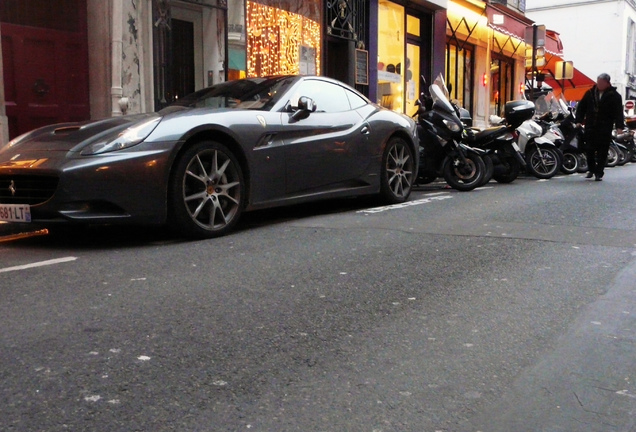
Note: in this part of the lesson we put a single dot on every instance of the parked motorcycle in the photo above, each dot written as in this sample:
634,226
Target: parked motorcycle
442,154
500,149
627,140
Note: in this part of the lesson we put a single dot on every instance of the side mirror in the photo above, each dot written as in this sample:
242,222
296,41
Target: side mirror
306,106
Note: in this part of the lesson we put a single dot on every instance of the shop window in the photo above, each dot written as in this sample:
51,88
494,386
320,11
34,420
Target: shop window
391,40
283,37
459,74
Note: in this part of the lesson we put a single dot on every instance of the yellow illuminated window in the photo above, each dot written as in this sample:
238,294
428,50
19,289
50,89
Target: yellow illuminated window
391,40
413,25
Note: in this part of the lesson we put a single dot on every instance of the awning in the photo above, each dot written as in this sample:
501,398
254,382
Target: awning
573,89
507,21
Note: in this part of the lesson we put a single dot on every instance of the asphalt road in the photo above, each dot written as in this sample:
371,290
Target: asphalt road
509,308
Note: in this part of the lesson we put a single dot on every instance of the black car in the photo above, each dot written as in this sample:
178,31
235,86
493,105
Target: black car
199,163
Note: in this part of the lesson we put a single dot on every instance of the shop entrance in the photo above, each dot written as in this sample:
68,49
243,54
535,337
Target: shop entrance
45,63
338,65
189,48
400,50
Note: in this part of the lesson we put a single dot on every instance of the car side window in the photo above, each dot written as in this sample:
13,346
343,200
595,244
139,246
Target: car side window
355,100
329,98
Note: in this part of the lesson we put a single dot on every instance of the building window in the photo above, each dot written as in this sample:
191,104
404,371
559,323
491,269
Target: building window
283,37
391,40
459,73
502,83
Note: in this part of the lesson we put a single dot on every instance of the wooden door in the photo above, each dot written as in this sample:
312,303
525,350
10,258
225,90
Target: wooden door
45,63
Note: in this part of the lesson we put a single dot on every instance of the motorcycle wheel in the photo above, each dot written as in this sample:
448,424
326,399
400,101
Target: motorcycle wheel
511,174
582,163
490,169
543,165
623,157
570,163
612,157
633,159
464,176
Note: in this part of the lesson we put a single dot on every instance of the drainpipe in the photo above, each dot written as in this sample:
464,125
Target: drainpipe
116,90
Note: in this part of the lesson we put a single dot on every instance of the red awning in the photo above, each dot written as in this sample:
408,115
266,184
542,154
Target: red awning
574,88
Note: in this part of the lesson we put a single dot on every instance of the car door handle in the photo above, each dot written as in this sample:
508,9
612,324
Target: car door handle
365,130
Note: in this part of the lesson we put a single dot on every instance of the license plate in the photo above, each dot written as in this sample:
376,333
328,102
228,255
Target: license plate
15,212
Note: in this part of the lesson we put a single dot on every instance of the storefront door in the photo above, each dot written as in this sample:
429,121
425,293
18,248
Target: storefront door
45,63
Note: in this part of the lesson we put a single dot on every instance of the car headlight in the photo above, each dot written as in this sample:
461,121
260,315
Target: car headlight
454,127
128,138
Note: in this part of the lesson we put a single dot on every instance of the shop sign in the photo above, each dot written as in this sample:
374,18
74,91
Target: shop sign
362,67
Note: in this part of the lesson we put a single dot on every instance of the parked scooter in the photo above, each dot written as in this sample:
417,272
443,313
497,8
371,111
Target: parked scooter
559,125
441,151
541,154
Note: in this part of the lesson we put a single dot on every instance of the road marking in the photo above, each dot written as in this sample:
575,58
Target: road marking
38,264
406,204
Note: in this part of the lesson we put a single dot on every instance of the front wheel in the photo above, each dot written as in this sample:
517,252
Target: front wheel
464,176
398,171
543,163
207,191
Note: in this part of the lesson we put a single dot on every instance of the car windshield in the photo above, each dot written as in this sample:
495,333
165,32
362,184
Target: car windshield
252,93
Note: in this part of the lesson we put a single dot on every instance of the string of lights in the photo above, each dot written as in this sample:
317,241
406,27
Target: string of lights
274,41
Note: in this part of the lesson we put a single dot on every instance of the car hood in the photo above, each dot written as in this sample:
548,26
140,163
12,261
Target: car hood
73,136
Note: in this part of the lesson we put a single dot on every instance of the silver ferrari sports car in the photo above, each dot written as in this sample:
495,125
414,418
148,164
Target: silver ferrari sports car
199,163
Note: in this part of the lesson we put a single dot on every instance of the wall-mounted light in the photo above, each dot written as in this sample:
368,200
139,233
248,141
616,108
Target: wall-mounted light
522,88
484,79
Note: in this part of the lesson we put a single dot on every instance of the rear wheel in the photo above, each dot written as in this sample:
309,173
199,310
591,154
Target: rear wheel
511,172
398,171
622,157
612,157
570,163
490,169
582,163
206,192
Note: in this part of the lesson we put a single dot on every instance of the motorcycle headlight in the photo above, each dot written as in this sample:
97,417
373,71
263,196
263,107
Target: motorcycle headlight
454,127
128,138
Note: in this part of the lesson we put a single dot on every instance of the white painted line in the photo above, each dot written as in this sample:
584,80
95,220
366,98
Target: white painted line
405,204
38,264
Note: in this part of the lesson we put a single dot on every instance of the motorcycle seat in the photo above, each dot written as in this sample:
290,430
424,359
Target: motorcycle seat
474,135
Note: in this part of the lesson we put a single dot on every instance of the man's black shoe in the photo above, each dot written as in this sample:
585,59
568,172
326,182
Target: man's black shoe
589,175
598,178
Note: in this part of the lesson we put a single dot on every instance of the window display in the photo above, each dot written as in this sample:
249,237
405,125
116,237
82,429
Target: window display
391,40
283,37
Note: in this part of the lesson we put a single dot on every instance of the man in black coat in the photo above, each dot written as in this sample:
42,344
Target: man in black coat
601,110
